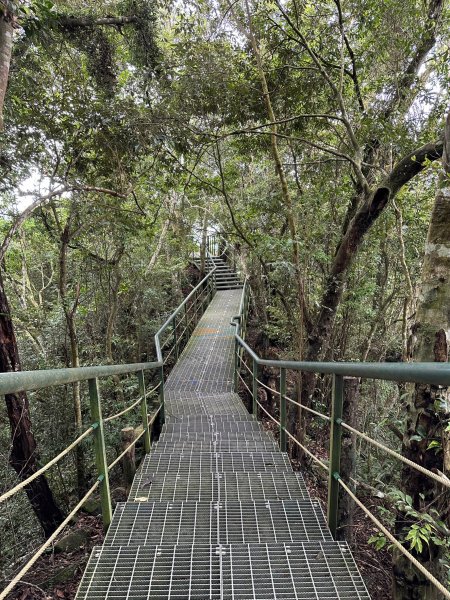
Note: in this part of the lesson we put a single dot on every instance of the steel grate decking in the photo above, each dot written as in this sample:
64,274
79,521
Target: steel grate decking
207,487
143,523
210,436
311,570
207,418
215,511
158,462
237,445
217,425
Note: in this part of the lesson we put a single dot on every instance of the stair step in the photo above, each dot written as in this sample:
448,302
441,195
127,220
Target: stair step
185,463
210,487
211,436
208,418
240,445
143,523
211,427
319,570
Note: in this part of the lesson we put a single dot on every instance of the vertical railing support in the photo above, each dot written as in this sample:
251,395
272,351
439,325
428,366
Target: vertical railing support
283,410
195,320
100,451
335,452
161,416
175,337
236,357
255,388
186,321
144,412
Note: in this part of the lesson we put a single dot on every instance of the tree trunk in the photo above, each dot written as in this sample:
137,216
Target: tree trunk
69,313
203,245
428,412
24,457
127,436
294,416
348,460
6,45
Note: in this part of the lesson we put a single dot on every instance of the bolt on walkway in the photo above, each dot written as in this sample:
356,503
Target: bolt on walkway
216,511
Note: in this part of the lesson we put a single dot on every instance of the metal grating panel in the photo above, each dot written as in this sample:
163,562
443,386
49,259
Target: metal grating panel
315,570
225,487
211,426
211,436
144,523
201,418
230,461
215,446
207,406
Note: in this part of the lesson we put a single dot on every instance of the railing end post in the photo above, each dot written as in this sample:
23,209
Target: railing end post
283,444
100,451
335,453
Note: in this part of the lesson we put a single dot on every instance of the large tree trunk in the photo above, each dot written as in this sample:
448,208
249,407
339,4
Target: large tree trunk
428,410
24,457
6,45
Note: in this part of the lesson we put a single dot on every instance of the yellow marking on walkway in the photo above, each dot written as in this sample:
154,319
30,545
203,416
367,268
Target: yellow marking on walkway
205,331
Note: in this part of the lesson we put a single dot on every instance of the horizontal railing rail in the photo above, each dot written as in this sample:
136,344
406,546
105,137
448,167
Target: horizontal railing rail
426,373
172,335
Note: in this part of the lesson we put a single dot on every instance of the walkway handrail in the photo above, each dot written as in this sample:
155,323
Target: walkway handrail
208,279
428,373
190,310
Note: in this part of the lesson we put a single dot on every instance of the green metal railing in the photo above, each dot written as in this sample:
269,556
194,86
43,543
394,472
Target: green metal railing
169,342
427,373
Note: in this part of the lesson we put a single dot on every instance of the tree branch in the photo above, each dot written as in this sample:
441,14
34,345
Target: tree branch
412,164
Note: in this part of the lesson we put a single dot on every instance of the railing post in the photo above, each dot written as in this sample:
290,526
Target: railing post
255,389
335,453
162,416
144,413
186,321
175,337
283,410
236,359
100,451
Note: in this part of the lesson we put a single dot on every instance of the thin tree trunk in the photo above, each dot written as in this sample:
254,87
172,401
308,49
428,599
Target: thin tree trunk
69,313
294,416
24,456
203,244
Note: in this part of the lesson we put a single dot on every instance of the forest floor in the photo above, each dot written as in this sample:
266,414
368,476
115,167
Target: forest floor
56,575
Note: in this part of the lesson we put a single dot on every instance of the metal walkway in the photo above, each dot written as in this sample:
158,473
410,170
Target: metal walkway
215,511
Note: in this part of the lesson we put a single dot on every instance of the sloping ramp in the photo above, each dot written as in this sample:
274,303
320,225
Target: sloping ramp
215,511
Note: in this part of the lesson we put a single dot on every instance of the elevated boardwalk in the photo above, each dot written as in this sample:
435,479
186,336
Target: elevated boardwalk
215,511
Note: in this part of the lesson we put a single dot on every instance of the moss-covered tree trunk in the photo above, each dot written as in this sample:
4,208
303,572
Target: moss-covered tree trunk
428,408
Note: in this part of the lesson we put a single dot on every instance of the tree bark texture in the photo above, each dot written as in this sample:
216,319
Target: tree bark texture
24,456
428,406
6,46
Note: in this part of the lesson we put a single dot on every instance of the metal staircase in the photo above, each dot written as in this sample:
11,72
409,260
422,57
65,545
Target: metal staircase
226,276
215,510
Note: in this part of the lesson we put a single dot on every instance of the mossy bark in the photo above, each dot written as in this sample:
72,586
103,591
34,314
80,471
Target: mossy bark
428,406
